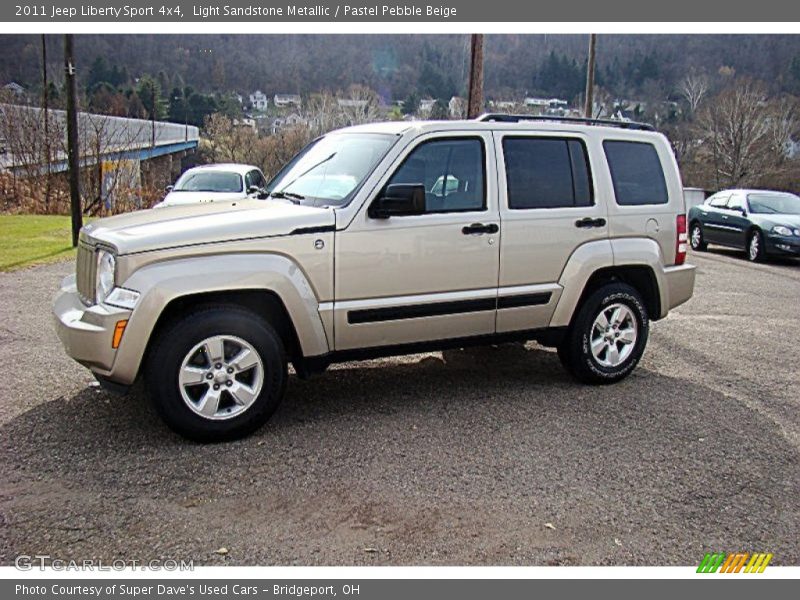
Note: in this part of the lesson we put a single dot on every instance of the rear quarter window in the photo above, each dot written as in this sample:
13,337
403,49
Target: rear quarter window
636,173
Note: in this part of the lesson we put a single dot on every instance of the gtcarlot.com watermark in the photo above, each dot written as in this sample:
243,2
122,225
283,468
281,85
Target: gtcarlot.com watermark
27,562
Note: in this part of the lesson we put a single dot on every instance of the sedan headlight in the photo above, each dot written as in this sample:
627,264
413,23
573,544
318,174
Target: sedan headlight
781,230
104,282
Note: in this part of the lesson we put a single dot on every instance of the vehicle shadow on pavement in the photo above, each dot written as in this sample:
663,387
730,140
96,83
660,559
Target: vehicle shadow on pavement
485,456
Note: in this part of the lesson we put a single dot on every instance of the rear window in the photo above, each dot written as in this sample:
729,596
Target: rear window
636,173
546,173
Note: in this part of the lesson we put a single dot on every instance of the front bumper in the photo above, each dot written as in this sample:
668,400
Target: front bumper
87,331
780,245
679,286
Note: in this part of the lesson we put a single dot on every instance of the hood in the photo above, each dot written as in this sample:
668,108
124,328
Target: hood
198,197
209,222
772,219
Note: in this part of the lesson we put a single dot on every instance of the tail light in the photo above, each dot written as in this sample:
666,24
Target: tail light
680,240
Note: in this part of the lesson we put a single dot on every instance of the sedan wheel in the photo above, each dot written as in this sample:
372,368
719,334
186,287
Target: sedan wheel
755,248
696,238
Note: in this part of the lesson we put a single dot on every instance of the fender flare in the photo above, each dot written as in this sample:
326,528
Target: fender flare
162,282
601,254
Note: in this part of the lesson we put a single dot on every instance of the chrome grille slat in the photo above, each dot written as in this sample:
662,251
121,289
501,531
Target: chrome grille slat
85,273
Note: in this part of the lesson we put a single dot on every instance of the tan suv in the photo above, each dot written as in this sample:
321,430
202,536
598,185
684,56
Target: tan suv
386,239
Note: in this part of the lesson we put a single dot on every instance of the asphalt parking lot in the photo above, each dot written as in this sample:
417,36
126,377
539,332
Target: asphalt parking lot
490,456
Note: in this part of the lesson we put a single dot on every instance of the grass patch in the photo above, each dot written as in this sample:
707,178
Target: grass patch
27,240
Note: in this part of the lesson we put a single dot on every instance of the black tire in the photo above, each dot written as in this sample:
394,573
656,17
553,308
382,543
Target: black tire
575,350
757,253
698,241
177,339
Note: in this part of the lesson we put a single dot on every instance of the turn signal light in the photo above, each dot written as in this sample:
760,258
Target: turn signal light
118,331
681,240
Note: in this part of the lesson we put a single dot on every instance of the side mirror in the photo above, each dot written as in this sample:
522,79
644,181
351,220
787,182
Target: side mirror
253,189
399,200
169,188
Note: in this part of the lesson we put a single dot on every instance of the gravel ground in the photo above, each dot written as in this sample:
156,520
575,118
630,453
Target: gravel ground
487,456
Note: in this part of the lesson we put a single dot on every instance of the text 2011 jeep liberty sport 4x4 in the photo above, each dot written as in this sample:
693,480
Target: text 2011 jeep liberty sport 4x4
386,239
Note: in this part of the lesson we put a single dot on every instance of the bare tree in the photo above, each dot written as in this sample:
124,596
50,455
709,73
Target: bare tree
694,88
744,133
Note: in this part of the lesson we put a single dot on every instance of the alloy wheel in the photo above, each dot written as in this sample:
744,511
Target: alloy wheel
221,377
613,335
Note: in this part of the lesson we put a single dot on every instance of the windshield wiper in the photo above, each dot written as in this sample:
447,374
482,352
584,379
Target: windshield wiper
287,196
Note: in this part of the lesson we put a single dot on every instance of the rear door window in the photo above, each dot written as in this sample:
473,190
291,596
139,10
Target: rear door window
636,173
546,173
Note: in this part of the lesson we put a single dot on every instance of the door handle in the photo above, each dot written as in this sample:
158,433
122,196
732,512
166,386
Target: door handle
478,228
588,222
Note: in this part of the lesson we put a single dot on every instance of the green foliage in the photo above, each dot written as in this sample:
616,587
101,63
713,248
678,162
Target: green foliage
411,104
27,240
149,92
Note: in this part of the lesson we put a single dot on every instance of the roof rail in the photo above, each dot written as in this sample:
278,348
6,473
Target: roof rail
505,118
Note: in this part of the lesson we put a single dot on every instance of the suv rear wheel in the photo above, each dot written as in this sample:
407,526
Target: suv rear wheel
217,374
608,336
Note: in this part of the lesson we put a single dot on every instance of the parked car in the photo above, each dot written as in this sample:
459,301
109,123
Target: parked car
571,233
216,183
761,222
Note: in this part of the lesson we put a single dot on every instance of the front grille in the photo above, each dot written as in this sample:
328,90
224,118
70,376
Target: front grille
85,270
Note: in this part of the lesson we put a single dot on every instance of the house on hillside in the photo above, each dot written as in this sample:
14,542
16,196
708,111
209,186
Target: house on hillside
425,106
278,124
457,107
259,101
350,103
14,88
284,100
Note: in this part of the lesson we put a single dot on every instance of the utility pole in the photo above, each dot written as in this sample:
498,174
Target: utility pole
588,109
475,101
46,114
73,156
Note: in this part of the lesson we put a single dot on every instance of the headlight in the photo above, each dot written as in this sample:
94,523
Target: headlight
106,264
781,230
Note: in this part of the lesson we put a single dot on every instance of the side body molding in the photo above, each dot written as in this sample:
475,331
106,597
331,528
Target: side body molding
160,283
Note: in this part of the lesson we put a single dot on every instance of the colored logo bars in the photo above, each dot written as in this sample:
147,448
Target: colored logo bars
734,562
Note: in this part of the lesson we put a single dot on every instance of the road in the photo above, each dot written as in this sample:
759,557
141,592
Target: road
488,456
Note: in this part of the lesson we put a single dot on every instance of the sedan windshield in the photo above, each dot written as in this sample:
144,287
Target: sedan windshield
209,181
331,168
784,204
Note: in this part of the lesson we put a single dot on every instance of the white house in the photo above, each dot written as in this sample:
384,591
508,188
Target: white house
14,88
350,103
426,105
291,120
547,106
259,100
457,107
245,122
284,100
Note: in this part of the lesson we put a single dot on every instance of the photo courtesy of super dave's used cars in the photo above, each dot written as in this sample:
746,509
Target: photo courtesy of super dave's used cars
386,239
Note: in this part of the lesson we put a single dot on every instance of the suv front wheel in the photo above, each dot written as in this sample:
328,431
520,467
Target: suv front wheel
607,337
217,374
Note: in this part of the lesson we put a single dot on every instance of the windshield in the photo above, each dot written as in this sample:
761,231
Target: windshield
784,204
209,181
331,168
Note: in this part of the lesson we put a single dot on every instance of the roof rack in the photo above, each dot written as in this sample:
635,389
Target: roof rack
505,118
